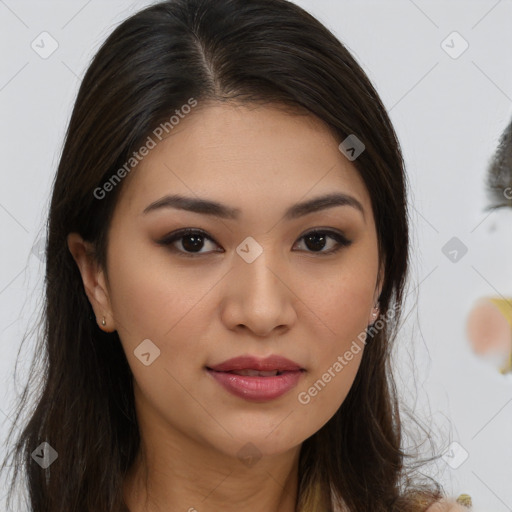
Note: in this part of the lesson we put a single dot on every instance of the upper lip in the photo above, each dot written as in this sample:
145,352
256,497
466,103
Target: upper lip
247,362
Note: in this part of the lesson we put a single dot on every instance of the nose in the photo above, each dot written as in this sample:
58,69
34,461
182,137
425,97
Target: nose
257,297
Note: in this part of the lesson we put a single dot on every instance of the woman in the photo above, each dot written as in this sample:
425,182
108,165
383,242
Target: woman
226,259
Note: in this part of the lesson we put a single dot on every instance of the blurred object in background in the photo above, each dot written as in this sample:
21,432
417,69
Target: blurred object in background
489,324
489,330
499,174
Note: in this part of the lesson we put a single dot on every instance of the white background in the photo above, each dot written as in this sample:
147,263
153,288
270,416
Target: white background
448,113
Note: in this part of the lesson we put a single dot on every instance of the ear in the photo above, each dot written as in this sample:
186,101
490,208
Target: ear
93,278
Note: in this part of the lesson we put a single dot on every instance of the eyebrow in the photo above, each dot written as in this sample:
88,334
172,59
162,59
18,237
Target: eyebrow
216,209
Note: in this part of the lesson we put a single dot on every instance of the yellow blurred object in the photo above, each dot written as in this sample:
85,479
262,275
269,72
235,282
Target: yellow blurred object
465,500
505,307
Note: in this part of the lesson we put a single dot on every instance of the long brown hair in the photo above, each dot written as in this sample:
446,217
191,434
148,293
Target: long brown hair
152,64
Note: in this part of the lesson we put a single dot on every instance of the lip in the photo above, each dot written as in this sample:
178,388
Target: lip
257,388
247,362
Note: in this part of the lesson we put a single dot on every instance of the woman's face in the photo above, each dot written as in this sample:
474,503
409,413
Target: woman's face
251,284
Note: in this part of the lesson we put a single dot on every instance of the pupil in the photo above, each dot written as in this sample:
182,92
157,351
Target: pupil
197,240
315,238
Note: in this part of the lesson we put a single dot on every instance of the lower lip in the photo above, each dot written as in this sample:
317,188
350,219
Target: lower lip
258,389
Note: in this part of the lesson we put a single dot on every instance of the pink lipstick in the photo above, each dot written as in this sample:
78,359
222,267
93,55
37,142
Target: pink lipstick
255,379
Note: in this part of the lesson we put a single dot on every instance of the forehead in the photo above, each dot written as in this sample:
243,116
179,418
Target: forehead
242,155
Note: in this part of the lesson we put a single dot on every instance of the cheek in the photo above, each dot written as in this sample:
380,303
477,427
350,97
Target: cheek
341,308
336,362
150,297
335,355
324,392
339,300
153,301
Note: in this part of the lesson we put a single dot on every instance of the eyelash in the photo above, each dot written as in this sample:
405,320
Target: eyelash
183,233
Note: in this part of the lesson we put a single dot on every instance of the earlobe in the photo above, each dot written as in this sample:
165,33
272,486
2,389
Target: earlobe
93,279
374,314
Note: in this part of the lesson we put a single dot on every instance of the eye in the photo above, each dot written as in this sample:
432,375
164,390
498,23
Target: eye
316,240
189,242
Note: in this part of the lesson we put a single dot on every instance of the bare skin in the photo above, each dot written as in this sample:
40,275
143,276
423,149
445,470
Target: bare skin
447,506
294,300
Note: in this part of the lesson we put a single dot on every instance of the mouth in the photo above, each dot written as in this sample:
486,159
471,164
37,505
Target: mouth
273,363
254,373
258,380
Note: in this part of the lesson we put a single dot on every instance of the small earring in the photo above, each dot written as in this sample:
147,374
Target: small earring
103,322
375,312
